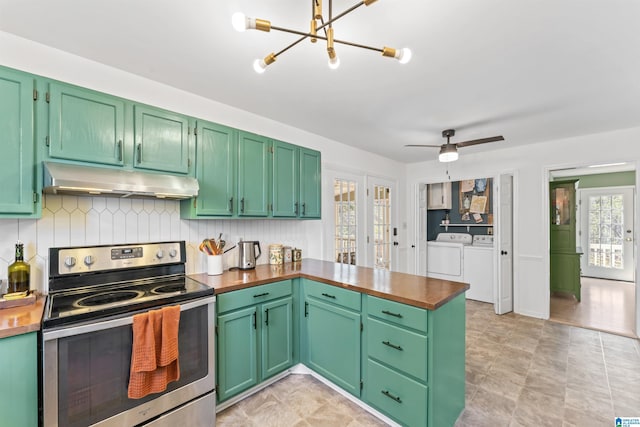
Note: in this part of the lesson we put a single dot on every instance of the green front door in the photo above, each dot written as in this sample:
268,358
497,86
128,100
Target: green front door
333,335
85,125
310,184
253,174
277,336
285,179
216,169
237,352
161,140
16,139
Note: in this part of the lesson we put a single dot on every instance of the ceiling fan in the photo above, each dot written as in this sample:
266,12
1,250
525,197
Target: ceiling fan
449,151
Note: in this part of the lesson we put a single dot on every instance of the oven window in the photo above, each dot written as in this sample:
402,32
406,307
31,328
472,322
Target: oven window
93,369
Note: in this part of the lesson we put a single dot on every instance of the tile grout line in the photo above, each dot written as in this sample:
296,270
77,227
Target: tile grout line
606,373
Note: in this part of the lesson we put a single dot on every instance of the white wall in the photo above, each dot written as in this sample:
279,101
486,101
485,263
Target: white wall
97,220
530,165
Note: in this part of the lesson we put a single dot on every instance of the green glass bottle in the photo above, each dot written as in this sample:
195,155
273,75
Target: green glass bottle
19,272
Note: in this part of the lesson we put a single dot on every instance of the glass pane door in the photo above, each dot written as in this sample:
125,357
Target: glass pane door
607,233
382,227
346,224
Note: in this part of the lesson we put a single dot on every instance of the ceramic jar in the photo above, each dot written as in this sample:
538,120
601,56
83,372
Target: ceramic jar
276,254
288,254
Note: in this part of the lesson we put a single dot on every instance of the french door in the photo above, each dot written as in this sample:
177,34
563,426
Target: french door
606,233
381,234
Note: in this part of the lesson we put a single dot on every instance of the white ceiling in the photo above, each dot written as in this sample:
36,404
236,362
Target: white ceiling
532,71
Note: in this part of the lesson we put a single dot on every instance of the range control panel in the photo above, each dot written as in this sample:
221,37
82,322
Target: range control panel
99,258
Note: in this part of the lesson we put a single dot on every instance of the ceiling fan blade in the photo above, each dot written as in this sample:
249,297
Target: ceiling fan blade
480,141
423,145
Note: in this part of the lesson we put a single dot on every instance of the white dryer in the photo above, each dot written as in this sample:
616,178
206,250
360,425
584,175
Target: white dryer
445,256
478,269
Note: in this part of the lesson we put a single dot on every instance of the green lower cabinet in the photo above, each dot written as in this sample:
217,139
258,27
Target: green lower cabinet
277,337
415,361
19,385
237,352
402,398
255,336
333,335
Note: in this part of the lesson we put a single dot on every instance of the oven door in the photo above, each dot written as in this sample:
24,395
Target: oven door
86,371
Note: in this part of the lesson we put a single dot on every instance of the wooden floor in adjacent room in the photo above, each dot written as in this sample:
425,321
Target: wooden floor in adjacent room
607,305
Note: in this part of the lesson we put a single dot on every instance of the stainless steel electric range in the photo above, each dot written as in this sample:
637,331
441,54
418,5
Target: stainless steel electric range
87,338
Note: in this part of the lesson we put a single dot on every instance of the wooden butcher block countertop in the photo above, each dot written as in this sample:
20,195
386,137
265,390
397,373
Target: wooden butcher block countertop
409,289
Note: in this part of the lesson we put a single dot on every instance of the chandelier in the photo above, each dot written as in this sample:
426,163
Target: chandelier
318,24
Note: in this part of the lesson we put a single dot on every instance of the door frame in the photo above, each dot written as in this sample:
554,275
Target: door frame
545,206
515,245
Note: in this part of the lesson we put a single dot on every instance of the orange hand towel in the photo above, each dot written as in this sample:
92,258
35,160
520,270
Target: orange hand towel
154,354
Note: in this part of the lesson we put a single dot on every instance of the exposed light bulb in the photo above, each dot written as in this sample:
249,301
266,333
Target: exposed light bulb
259,65
404,55
239,22
334,62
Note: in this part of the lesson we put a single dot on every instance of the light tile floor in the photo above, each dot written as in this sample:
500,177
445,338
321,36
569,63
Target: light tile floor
521,371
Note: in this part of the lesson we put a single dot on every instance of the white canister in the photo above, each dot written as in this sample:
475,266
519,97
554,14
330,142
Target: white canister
288,254
214,265
275,254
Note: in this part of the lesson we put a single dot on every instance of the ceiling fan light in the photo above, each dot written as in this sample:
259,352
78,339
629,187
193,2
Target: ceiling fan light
448,153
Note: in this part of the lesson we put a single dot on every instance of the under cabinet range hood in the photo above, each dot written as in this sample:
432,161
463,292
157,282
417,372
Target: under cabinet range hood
62,178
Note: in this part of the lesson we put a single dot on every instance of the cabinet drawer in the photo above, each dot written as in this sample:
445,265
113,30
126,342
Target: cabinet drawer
401,398
398,313
403,349
333,294
254,295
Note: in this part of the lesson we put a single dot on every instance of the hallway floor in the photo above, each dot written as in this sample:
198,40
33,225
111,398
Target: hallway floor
520,371
607,305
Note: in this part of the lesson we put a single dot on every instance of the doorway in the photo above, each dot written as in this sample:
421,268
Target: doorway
604,210
380,236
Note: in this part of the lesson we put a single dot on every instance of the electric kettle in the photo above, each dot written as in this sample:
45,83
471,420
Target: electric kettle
247,254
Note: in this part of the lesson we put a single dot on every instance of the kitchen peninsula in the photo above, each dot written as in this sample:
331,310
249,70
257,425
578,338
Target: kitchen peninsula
395,341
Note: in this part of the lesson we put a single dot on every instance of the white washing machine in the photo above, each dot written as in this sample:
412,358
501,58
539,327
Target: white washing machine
478,269
445,256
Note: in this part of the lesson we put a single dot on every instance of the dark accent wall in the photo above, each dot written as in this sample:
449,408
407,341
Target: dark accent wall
435,217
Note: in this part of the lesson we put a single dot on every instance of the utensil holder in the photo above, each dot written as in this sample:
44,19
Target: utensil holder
214,265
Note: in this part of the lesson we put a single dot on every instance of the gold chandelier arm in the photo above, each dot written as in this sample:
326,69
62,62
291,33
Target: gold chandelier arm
318,36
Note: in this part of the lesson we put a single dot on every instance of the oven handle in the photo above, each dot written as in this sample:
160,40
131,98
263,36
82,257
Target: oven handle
107,324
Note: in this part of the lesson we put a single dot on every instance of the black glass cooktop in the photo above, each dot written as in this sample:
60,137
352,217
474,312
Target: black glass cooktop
114,299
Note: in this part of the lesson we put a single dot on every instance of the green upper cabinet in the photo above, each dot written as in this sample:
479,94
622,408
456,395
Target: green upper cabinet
286,176
254,172
85,125
161,140
17,142
310,184
216,164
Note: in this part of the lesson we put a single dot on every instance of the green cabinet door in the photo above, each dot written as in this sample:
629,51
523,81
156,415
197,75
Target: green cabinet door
333,343
310,184
237,352
16,139
285,179
277,336
19,385
217,156
254,171
161,140
85,125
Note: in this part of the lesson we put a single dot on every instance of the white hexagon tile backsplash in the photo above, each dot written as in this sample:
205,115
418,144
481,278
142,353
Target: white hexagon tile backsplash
80,221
